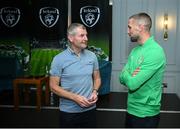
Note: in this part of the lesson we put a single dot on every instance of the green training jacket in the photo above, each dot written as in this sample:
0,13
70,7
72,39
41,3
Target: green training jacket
144,89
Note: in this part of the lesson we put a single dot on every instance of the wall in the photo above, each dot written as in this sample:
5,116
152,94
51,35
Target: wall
121,46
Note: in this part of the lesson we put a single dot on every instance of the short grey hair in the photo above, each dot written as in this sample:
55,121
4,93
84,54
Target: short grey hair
72,28
143,19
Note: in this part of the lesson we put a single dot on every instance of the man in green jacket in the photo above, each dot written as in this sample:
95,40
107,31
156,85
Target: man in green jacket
143,74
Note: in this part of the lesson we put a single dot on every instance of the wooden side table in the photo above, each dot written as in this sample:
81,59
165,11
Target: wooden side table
37,81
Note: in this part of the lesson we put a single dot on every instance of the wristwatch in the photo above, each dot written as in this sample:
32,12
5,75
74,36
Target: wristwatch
96,91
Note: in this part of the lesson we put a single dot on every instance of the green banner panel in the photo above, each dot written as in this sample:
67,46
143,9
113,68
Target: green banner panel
94,14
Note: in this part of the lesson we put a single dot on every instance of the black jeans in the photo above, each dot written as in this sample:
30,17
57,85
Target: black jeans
137,122
78,120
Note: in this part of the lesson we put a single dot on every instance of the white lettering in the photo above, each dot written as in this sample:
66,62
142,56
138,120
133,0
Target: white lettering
10,11
50,11
90,10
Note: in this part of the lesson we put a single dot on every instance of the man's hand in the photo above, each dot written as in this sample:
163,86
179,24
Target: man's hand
94,97
83,101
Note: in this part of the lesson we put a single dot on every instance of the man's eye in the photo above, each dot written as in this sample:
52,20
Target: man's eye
82,35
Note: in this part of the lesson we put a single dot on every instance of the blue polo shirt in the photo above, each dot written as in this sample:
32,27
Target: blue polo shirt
76,76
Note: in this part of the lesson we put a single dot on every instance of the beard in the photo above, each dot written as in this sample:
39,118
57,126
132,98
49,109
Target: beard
134,38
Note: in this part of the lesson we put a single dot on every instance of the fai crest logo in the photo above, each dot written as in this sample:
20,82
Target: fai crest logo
10,16
89,15
49,16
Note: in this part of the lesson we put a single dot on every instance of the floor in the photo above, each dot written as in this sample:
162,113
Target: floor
111,109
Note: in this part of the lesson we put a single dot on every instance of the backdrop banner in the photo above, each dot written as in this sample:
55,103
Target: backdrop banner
94,14
48,29
48,20
12,18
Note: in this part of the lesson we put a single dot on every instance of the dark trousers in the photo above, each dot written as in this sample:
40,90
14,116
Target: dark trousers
78,120
137,122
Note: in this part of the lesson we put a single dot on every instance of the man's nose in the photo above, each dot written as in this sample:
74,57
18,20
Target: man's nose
128,31
85,38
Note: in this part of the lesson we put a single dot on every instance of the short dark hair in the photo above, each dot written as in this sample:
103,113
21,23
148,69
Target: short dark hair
143,19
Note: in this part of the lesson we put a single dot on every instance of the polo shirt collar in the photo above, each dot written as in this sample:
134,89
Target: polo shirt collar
72,51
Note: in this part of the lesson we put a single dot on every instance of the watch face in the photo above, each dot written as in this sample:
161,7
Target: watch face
96,91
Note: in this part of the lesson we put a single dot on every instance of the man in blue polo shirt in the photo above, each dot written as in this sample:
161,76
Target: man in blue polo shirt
75,77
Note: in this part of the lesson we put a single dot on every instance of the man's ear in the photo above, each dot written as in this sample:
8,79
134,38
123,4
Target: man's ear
70,38
140,28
